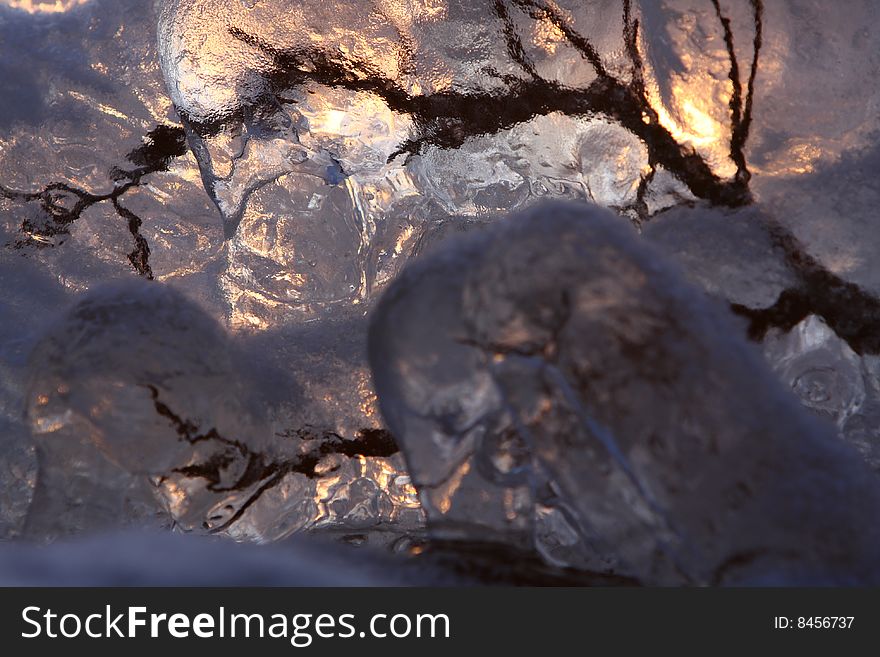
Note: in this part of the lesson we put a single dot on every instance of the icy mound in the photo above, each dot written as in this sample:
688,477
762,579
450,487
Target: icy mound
555,351
140,414
134,384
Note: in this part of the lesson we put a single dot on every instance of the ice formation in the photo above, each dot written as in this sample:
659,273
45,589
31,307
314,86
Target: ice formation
830,379
132,389
139,412
557,350
278,162
331,137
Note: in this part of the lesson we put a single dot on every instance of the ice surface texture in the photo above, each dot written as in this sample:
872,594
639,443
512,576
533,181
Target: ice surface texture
332,136
555,346
278,163
139,410
98,185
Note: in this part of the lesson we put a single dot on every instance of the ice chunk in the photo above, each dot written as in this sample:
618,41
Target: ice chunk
444,406
333,139
134,384
820,368
138,404
669,441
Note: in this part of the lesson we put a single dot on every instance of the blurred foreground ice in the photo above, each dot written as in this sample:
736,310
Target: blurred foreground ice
556,352
138,558
137,405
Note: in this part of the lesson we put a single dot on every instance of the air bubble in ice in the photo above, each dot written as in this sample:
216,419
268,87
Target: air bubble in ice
821,369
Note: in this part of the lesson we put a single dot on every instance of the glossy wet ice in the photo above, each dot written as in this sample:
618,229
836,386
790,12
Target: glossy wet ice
278,163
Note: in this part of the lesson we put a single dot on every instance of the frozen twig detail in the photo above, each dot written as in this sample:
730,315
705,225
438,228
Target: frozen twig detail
63,204
447,119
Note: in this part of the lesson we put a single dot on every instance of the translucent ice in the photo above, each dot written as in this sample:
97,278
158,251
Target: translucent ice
821,369
332,137
832,380
94,190
555,349
138,406
133,385
863,429
347,131
344,138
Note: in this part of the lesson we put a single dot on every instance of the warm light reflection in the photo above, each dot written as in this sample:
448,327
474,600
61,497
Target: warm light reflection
689,120
694,106
703,129
369,402
44,6
446,491
800,158
547,36
105,109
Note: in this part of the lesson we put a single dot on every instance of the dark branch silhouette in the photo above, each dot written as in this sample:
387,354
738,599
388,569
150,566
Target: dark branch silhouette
447,119
260,468
514,43
160,147
848,310
741,113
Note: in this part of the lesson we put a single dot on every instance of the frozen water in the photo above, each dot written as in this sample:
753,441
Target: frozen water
332,138
139,558
339,136
98,185
556,345
17,478
830,379
137,406
729,253
104,399
279,162
821,369
862,429
444,406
